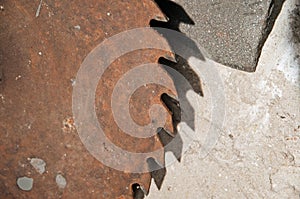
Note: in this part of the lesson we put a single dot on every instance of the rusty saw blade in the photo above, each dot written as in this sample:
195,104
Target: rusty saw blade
43,44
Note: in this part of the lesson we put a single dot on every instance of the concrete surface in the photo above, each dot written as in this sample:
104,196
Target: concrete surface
232,32
258,151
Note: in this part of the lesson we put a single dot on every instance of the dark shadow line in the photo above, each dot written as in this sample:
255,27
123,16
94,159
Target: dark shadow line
273,12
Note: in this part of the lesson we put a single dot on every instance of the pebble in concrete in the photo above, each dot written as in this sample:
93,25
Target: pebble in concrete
61,181
25,183
38,164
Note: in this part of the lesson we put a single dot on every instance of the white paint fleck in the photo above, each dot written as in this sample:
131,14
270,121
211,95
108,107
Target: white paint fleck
38,164
77,27
2,98
73,81
18,77
25,183
60,181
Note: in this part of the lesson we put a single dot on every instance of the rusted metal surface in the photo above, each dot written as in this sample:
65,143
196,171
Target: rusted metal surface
39,58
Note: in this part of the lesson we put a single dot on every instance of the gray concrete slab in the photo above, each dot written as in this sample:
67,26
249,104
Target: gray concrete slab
232,32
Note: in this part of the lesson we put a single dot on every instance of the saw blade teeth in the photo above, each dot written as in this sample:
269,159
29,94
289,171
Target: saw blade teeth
138,192
171,143
157,172
174,107
165,137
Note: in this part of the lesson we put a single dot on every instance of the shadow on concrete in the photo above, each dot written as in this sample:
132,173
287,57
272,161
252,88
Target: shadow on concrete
273,13
172,141
295,28
177,15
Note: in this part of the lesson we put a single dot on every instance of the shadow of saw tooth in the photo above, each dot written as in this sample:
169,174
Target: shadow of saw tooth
182,66
157,172
175,14
171,143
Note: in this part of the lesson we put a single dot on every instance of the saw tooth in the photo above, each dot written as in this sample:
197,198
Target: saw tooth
171,143
171,58
174,107
157,172
138,192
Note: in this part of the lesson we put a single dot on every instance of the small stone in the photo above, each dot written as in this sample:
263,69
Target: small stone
61,181
25,183
38,164
40,53
108,14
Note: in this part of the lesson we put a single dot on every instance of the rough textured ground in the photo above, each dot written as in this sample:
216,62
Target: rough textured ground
258,153
232,32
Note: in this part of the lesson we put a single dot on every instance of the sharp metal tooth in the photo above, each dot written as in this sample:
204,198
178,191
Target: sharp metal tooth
170,102
171,143
138,192
157,172
164,136
168,60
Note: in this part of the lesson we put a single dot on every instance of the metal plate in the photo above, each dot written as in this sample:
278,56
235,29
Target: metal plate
39,57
